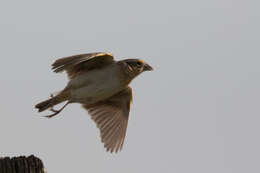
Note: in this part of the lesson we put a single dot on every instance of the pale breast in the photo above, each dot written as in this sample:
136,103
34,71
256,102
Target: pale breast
95,85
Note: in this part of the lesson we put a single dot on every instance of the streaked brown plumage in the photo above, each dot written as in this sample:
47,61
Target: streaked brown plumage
100,84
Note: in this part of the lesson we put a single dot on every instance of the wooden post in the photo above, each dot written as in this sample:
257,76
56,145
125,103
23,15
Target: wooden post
21,164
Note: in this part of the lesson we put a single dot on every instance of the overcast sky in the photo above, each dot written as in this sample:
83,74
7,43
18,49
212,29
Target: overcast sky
197,112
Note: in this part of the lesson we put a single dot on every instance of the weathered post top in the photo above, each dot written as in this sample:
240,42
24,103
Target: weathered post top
21,164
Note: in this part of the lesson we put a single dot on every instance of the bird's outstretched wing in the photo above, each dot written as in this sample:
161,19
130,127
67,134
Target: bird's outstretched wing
111,117
83,62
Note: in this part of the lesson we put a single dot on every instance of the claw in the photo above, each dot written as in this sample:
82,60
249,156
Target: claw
55,113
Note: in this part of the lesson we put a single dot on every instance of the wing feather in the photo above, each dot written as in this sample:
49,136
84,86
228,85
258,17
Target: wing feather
82,62
111,117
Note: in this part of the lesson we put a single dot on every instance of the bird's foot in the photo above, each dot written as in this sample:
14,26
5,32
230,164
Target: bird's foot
55,112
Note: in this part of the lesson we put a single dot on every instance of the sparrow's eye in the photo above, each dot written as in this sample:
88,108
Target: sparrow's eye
139,64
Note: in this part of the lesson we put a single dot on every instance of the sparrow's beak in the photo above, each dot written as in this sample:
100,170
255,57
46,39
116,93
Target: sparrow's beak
147,67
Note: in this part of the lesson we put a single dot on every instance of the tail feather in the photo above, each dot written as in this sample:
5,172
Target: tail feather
45,105
42,106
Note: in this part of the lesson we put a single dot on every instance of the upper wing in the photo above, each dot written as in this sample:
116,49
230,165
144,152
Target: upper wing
74,64
111,117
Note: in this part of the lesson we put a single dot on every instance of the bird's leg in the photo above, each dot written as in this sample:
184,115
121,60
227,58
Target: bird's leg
55,112
52,109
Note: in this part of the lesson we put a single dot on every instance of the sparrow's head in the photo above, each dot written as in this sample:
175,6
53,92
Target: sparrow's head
134,67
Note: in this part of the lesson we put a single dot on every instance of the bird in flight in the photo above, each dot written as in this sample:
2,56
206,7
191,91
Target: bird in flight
101,85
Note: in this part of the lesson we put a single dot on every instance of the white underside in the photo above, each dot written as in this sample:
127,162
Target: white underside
95,85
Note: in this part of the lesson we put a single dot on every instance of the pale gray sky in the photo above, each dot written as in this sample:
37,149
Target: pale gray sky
198,112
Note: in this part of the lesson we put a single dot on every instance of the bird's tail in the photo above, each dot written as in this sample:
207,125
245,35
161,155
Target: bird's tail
61,97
